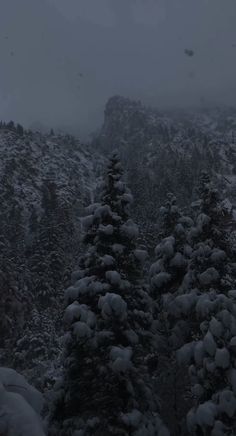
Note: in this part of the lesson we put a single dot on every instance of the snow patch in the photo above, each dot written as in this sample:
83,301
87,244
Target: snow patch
113,305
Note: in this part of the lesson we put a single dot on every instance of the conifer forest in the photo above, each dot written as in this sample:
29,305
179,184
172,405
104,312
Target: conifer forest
117,247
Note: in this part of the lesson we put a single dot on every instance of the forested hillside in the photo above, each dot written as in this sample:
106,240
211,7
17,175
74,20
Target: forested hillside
46,180
166,151
119,304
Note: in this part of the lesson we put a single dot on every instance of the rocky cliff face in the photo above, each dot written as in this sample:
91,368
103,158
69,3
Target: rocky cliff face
165,151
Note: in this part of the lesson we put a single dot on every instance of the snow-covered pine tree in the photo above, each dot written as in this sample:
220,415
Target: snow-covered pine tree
212,369
209,264
208,304
37,345
166,278
172,257
207,240
169,215
106,388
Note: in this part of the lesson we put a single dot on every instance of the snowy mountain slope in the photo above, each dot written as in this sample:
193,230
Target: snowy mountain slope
165,151
45,183
29,160
46,180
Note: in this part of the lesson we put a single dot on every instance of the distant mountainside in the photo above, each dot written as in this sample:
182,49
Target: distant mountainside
46,180
166,150
27,161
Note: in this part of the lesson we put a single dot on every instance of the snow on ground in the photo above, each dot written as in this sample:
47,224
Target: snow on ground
20,406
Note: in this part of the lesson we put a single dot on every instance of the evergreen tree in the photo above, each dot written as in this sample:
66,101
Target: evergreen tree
172,259
106,387
19,130
212,369
11,125
166,278
208,306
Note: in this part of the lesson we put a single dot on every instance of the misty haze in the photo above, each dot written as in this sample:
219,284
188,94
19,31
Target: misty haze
61,60
118,218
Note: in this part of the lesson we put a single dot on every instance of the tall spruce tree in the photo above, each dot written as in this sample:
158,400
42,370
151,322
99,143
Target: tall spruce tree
166,278
171,265
106,388
207,304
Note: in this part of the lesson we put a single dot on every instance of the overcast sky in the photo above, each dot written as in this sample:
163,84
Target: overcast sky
62,59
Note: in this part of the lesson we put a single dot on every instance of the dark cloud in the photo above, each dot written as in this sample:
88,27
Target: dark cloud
61,59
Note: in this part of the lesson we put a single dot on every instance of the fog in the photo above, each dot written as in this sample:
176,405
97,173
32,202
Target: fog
62,59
